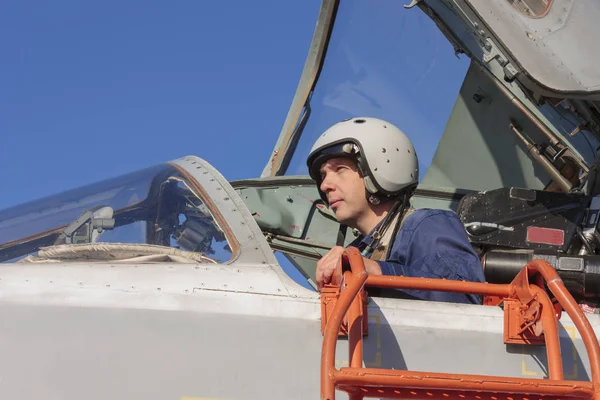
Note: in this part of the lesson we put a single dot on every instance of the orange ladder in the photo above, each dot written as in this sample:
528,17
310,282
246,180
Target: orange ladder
528,313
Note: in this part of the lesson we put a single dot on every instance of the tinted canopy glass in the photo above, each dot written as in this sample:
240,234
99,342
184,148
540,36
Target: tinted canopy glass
156,214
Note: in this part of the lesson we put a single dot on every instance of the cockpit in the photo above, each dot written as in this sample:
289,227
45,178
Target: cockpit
158,214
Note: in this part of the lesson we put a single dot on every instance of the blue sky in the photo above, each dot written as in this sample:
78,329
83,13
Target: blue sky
388,62
93,90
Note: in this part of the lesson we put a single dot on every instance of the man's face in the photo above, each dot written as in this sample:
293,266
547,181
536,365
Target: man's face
345,190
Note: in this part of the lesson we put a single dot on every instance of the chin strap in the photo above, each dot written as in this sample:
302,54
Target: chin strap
397,210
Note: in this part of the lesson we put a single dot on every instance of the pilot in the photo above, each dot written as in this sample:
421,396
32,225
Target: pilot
366,169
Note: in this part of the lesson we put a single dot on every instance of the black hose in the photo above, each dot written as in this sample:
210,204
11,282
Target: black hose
586,243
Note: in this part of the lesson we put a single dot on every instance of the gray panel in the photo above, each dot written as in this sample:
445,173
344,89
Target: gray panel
557,50
285,209
69,353
97,354
478,151
437,198
280,206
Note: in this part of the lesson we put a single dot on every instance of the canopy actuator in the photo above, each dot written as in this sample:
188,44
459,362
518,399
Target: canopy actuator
547,165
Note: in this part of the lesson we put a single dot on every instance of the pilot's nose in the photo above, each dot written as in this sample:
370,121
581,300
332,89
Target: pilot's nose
326,184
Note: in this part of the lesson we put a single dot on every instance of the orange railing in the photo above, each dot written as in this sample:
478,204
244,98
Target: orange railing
529,313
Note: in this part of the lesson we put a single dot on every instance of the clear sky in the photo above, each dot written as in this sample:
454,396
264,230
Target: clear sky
93,90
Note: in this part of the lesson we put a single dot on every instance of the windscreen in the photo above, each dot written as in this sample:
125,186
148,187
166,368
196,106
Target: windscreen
388,62
156,214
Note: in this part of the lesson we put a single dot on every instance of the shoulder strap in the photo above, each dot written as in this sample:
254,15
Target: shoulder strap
382,250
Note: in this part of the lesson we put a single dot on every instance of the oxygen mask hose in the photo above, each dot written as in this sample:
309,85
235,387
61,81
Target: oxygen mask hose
397,207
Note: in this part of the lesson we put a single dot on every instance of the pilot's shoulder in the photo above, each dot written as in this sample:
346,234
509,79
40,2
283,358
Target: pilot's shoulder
428,217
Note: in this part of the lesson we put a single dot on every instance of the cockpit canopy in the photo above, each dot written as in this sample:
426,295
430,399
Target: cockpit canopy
154,215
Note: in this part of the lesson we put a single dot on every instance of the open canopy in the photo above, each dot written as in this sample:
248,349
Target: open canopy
457,77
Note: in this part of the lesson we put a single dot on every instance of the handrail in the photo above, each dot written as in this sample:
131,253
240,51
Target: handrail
370,382
568,303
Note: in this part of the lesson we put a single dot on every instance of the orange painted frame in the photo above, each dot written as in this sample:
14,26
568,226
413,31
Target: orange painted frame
369,382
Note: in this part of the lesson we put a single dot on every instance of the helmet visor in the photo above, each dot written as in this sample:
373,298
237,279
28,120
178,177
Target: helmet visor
343,149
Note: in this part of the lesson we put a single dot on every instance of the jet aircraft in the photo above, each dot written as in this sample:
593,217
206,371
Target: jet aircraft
163,283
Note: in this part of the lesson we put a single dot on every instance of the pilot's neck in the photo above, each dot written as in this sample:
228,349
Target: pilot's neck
372,217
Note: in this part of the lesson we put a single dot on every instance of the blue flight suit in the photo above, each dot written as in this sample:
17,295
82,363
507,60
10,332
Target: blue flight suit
431,244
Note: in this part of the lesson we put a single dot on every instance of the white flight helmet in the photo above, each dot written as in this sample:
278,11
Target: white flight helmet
385,156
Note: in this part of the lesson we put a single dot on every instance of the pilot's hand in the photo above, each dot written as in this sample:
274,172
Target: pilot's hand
327,265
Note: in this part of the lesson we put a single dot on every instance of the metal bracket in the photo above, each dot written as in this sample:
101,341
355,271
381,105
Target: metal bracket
493,52
522,314
521,323
329,296
88,226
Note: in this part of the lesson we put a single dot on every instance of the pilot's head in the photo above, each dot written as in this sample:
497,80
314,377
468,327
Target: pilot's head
361,166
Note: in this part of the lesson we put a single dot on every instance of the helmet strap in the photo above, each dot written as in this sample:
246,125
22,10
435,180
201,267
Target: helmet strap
399,207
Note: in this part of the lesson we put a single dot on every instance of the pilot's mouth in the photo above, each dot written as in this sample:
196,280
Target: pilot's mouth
335,204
